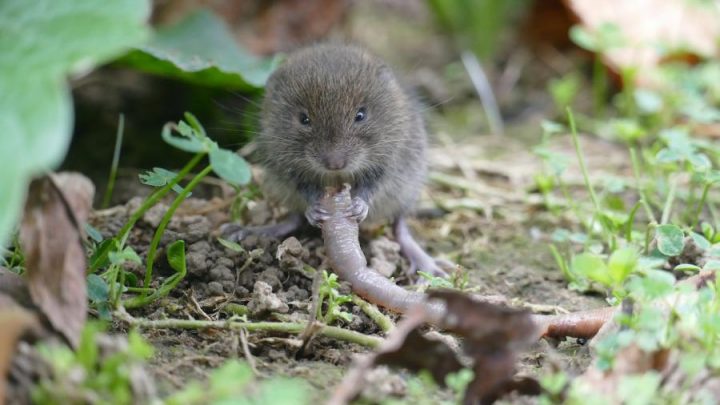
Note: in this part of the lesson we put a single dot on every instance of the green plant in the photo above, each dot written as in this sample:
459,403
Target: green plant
328,293
113,253
234,383
89,374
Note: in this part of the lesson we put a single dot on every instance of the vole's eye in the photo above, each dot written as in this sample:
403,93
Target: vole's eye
360,115
304,119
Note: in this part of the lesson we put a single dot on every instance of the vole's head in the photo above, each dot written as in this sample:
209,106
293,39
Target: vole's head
333,113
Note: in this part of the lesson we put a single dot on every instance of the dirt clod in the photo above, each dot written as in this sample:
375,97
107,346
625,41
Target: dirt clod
264,301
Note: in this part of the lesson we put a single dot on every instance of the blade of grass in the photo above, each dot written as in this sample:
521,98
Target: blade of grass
641,190
115,161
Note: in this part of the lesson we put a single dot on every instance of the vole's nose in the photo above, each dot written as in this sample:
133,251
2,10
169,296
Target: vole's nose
334,161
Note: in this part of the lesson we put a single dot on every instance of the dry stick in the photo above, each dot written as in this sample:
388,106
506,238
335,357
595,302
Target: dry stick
281,327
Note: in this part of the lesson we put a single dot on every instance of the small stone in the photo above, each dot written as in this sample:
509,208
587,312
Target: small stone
215,288
228,286
291,254
259,212
221,273
225,261
263,300
271,276
196,263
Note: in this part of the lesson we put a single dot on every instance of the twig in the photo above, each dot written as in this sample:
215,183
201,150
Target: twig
382,320
197,306
246,351
281,327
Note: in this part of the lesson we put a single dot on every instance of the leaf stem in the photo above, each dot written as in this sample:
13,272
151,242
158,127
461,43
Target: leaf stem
641,190
115,162
278,327
667,209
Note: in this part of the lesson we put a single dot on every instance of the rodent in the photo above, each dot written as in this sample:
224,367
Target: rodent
334,114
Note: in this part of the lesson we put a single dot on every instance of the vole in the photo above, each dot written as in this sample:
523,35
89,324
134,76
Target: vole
335,114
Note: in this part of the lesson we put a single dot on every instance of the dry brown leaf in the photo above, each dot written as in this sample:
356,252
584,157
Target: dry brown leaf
51,236
651,26
492,335
13,322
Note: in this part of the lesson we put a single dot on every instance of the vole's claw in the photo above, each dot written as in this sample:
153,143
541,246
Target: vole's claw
316,215
359,209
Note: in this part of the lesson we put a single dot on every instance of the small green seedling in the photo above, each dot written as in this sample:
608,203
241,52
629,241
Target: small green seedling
328,293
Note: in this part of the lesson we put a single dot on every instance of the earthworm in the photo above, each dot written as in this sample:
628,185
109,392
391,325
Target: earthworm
342,247
583,324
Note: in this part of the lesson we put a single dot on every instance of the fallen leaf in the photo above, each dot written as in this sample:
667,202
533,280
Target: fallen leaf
652,31
51,238
491,334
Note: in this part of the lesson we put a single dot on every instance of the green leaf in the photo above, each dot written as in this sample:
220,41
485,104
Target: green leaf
583,38
160,177
176,256
700,241
640,389
230,379
622,262
654,284
100,256
592,267
138,346
87,351
201,49
127,254
97,288
93,233
700,162
235,247
41,42
670,239
647,101
283,391
189,139
687,267
230,166
713,265
56,37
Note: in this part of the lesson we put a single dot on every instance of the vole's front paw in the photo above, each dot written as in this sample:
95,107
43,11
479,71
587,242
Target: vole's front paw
316,215
359,209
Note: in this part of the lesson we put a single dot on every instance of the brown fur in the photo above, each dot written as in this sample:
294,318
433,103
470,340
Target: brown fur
385,152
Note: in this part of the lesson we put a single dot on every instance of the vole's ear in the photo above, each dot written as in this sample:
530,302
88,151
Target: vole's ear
385,74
